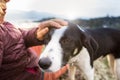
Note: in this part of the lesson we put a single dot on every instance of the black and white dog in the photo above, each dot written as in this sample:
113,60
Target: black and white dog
80,47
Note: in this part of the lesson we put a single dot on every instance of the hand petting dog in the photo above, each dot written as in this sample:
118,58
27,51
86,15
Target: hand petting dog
44,27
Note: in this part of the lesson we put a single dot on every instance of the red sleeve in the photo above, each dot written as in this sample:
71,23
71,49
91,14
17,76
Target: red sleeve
37,49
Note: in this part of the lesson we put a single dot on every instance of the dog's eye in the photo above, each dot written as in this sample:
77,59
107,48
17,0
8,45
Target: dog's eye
65,41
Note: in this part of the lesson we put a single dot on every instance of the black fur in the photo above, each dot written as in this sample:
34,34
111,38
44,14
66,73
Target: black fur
108,41
99,42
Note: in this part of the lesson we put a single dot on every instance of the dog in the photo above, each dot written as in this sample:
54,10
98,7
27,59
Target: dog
80,48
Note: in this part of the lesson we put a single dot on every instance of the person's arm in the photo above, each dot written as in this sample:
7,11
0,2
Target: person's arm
61,71
35,36
55,75
30,38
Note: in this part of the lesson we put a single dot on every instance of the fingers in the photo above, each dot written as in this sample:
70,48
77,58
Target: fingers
41,33
61,22
68,66
57,23
49,23
44,27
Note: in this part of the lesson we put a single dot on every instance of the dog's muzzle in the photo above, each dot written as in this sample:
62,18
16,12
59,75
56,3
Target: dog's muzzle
45,63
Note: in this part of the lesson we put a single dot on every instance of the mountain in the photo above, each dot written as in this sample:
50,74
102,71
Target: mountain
15,15
108,21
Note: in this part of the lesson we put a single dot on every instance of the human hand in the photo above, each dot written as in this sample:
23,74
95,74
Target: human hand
44,27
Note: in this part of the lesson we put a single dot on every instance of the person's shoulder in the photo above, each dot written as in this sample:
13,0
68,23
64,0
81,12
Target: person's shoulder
7,23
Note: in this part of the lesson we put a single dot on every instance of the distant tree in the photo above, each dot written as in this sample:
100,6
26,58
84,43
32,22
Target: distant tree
107,21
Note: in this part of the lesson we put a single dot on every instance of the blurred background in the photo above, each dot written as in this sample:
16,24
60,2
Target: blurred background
87,13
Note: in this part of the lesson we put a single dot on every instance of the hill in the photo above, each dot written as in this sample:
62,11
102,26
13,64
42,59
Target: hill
27,15
99,22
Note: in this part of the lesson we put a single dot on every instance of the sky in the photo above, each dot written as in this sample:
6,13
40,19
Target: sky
69,8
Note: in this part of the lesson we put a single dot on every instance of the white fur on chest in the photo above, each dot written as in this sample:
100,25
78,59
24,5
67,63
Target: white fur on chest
82,61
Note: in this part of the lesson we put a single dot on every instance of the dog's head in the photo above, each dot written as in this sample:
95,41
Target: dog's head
61,45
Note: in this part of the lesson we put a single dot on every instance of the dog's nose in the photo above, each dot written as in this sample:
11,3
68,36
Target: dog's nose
44,63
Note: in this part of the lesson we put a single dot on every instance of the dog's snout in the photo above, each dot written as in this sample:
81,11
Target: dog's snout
45,63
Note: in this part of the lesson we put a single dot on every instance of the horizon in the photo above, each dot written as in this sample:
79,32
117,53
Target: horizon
50,15
70,8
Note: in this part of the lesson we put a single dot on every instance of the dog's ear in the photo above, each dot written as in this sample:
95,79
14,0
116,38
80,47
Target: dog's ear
91,44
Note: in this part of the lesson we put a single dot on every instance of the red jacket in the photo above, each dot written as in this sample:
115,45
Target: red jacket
15,56
17,60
